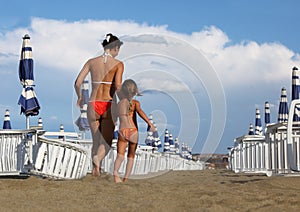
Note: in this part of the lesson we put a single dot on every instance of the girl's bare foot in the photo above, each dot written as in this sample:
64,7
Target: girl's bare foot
117,178
125,179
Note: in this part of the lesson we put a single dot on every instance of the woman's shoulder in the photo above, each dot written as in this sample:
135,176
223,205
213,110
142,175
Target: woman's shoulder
95,59
119,63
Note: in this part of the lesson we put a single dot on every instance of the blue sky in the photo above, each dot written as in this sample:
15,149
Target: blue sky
251,45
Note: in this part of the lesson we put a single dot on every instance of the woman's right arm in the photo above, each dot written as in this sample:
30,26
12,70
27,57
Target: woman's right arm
118,79
79,80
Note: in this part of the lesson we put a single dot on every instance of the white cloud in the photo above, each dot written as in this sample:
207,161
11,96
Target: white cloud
161,85
63,45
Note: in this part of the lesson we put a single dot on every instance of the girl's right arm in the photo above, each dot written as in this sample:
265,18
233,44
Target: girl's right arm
143,115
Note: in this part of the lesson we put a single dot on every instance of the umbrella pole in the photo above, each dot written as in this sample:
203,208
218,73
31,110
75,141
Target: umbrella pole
27,122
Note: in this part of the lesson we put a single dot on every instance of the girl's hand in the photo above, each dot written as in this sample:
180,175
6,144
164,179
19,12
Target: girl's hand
152,127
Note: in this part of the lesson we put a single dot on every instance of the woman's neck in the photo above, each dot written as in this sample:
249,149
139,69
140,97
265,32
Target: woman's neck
105,55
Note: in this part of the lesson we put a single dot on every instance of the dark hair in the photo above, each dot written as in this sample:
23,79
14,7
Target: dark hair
111,41
129,88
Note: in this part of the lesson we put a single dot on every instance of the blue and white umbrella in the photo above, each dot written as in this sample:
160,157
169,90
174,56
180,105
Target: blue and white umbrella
283,111
295,93
189,156
82,121
176,145
157,142
184,151
40,123
258,125
28,100
267,114
6,122
61,131
251,130
171,143
166,141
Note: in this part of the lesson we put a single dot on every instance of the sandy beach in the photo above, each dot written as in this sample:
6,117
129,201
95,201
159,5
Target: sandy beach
206,190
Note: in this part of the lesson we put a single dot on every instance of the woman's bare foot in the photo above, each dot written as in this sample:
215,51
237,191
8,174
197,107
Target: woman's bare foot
96,171
125,179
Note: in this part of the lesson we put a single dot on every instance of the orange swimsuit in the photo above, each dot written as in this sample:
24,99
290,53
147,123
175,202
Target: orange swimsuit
127,132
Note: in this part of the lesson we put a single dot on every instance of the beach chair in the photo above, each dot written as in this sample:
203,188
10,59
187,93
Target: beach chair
293,140
15,152
60,159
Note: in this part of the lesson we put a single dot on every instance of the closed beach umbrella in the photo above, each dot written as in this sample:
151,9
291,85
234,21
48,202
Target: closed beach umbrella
267,114
184,150
82,121
28,100
61,131
283,111
295,84
251,130
6,122
189,156
157,142
166,141
176,145
258,125
40,123
295,93
171,143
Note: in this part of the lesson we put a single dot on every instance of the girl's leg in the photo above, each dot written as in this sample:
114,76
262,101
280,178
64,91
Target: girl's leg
130,160
121,148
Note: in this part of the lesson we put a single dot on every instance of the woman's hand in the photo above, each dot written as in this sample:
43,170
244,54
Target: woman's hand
79,102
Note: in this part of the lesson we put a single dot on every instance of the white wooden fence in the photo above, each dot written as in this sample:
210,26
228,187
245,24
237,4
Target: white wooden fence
63,155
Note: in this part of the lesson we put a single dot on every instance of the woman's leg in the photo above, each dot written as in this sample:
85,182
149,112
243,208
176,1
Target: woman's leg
121,148
94,126
106,129
130,160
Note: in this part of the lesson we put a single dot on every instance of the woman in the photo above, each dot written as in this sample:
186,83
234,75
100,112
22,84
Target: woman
128,130
106,76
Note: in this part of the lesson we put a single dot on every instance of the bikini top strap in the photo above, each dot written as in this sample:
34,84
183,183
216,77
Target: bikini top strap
105,54
103,82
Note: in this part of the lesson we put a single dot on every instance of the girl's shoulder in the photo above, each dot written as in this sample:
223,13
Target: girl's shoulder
135,101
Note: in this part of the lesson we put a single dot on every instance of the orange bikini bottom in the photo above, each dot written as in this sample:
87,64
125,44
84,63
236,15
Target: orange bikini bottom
127,133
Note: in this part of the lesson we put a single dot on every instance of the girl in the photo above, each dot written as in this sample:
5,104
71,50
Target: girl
128,129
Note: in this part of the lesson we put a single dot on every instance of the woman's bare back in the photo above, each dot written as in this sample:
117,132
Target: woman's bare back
103,77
